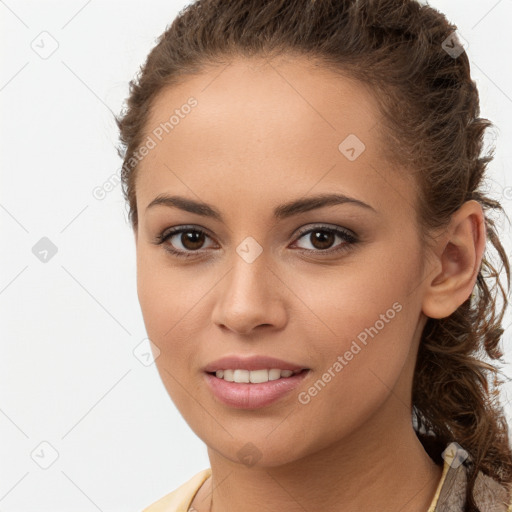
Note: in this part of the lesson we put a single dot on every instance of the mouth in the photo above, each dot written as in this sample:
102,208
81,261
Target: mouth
253,389
241,376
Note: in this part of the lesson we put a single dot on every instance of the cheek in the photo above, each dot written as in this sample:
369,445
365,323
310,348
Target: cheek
165,299
165,294
366,317
167,303
358,374
349,299
172,302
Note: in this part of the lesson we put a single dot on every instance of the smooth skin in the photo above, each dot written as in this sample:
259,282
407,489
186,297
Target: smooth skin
262,134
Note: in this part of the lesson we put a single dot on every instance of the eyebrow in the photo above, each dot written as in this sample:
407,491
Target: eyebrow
282,211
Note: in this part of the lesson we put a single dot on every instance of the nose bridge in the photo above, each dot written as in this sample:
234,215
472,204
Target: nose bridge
248,295
250,250
249,270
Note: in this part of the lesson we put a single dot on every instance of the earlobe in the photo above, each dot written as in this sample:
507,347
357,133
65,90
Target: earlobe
460,253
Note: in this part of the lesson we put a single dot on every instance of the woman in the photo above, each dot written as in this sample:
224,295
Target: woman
303,182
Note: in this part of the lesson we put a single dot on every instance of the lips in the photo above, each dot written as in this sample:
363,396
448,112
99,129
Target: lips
251,363
253,396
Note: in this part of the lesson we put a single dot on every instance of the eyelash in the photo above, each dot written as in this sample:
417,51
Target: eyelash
347,236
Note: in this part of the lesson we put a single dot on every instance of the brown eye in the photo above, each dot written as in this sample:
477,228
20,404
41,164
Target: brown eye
183,242
188,242
322,239
192,240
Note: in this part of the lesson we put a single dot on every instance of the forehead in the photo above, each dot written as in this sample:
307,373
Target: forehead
252,96
275,127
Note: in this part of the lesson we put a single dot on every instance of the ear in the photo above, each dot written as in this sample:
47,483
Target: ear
456,263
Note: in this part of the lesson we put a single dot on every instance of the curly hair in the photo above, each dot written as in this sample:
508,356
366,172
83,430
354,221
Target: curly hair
429,108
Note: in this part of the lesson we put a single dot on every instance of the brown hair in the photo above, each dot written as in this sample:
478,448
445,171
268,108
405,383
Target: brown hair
430,119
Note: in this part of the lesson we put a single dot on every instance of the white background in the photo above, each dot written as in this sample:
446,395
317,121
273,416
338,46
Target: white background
69,326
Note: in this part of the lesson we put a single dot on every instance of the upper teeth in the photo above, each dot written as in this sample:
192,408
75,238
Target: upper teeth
254,376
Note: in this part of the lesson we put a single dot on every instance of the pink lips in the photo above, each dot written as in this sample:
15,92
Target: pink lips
252,396
248,395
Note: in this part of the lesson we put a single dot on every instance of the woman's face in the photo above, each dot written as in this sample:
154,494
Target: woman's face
265,279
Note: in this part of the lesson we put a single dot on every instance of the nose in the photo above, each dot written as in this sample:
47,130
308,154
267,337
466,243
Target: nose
250,295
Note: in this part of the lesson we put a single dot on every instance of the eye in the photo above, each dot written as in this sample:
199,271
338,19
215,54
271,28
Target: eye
321,238
191,239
